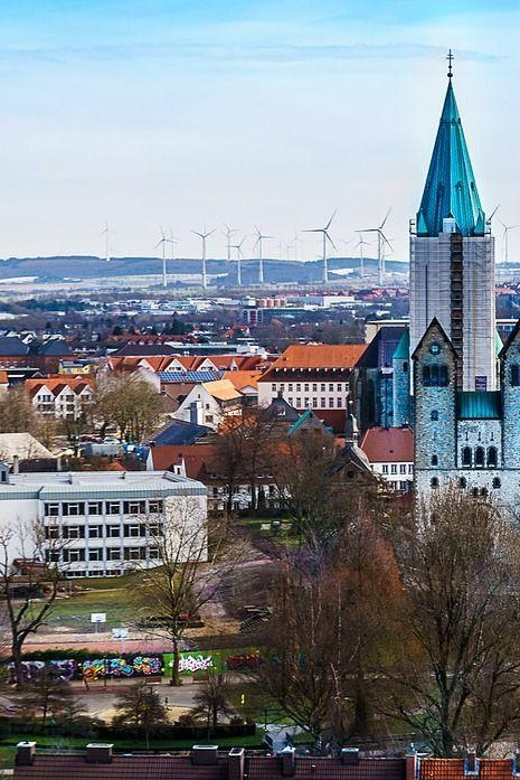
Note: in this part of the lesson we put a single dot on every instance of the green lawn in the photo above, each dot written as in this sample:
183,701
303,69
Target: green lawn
106,594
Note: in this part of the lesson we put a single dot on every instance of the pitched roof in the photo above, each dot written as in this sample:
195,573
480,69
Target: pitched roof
144,350
402,351
243,379
320,356
196,377
307,421
23,446
381,350
13,346
180,432
57,382
388,445
222,390
56,347
198,459
280,409
451,189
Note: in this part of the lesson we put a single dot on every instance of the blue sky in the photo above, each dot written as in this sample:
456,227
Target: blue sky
272,112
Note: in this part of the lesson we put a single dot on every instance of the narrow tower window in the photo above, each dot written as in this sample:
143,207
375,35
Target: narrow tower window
434,415
435,460
515,375
466,456
492,457
479,456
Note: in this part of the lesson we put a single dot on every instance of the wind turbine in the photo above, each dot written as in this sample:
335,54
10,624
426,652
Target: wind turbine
360,244
325,237
258,244
381,241
229,232
240,255
106,232
163,241
505,238
203,236
172,241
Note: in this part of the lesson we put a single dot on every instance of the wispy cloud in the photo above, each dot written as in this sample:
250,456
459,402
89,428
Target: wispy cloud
275,53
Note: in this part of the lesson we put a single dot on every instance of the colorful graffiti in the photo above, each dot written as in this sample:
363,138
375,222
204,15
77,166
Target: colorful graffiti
195,663
243,661
139,666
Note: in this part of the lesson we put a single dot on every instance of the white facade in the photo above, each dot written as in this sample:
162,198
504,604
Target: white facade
66,404
302,395
397,475
102,523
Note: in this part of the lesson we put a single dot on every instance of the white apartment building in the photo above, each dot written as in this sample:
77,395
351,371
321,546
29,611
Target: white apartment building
66,398
102,523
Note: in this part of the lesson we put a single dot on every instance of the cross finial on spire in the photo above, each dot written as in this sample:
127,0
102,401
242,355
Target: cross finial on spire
450,57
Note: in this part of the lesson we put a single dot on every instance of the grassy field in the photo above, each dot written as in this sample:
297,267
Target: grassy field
111,595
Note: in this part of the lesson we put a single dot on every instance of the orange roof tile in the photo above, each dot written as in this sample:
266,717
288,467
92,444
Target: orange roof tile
320,356
222,390
243,379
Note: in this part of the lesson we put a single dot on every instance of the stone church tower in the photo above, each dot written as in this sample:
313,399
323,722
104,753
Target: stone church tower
452,257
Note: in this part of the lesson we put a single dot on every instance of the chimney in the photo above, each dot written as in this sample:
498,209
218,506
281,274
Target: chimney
58,463
236,757
471,766
411,765
288,762
98,753
25,752
204,755
16,464
196,413
350,756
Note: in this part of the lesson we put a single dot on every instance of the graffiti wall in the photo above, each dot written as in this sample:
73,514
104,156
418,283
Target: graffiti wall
158,665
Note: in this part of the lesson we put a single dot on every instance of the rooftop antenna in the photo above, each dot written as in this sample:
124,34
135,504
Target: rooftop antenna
381,241
229,233
258,244
240,255
505,238
203,236
325,237
163,241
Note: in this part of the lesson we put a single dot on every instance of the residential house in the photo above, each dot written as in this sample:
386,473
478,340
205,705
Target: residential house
390,452
61,396
212,401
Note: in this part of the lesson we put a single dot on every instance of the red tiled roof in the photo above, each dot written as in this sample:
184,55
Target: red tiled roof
198,458
453,769
320,356
388,445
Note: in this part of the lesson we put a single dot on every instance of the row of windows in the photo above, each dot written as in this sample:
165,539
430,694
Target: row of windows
98,531
77,508
403,468
95,555
496,484
435,376
339,386
479,458
300,403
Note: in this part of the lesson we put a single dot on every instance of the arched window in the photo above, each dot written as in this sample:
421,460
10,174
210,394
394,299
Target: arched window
474,492
434,483
479,456
435,460
434,415
484,492
497,483
492,457
462,483
515,375
466,456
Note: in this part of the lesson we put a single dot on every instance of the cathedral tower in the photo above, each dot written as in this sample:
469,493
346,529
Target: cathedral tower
452,257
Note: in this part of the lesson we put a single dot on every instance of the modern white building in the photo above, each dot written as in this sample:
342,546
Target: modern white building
102,523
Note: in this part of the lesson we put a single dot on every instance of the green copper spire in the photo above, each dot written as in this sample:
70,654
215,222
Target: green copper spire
451,190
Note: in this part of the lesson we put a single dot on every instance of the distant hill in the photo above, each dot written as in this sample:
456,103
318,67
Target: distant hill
84,267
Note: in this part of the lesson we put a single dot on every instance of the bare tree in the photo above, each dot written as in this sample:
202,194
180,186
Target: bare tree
51,695
191,558
130,403
29,590
459,676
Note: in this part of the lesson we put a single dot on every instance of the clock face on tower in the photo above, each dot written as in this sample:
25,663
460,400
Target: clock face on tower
435,349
